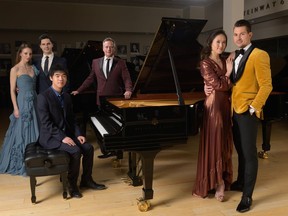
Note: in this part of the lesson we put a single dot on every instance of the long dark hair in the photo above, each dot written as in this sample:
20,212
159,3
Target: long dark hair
206,51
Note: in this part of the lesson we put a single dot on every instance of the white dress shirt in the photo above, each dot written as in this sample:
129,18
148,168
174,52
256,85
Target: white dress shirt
239,57
105,64
51,56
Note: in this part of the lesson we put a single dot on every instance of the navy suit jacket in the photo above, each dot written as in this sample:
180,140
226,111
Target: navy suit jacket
55,122
117,82
43,80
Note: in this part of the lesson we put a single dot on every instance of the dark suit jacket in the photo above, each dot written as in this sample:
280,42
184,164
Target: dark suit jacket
55,123
43,81
116,84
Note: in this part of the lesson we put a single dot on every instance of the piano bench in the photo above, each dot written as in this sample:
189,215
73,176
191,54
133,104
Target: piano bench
45,162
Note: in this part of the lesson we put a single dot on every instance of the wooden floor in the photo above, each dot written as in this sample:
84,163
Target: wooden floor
174,174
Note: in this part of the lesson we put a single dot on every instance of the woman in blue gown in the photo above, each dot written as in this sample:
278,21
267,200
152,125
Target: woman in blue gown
23,127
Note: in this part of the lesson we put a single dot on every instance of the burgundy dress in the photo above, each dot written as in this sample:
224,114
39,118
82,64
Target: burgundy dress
215,148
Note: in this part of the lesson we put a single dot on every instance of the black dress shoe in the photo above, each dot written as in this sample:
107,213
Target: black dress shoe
75,193
92,185
107,155
236,186
244,204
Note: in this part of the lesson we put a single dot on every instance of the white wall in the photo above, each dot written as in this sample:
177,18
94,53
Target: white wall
82,17
270,26
70,23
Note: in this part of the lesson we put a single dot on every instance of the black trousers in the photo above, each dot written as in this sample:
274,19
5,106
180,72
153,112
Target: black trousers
245,137
87,150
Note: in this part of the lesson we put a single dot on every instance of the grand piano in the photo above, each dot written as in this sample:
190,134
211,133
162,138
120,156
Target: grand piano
166,101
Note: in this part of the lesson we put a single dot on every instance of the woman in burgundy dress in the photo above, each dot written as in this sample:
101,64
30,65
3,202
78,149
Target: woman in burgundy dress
214,168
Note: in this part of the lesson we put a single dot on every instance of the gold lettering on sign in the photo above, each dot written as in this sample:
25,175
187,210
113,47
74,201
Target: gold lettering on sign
271,6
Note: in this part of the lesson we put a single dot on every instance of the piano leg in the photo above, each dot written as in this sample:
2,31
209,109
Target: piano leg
266,136
147,158
133,172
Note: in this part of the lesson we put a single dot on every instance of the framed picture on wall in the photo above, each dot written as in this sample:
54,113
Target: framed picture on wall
137,63
80,44
5,66
146,49
134,48
122,49
5,48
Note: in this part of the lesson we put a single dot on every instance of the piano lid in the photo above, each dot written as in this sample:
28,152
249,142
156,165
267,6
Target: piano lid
180,37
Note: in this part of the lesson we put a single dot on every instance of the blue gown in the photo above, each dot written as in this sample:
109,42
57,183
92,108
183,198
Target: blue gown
22,130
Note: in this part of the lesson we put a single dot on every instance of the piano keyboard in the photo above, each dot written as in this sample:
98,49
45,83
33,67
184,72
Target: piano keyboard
115,120
99,126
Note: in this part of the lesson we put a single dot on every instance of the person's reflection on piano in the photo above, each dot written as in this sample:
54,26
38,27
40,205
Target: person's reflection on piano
112,77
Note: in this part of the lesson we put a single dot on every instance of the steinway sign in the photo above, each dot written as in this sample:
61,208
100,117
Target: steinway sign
260,8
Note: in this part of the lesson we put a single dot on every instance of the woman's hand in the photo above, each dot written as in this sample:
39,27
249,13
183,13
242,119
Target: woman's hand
16,113
229,66
208,89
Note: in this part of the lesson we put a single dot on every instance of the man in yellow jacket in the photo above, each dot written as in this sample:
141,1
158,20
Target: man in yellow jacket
251,76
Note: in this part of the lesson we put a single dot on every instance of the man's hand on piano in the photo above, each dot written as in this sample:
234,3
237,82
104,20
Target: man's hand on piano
74,92
81,139
68,141
127,94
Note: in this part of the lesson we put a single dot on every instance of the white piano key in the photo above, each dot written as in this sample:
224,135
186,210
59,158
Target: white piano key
113,113
99,126
115,120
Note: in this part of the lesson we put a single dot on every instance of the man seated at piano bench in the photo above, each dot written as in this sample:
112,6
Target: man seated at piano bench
113,78
58,130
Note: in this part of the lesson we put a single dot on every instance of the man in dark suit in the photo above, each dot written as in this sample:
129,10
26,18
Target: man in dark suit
58,130
112,77
45,62
111,73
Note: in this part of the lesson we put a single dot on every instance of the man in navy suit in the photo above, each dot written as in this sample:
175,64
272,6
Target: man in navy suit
46,44
58,130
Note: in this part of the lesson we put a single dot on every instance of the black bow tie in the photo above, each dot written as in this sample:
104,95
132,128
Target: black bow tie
238,52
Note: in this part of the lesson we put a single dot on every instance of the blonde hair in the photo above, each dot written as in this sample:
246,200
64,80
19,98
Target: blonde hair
113,41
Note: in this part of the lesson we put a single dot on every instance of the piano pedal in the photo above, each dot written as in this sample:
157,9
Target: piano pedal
116,163
143,205
263,155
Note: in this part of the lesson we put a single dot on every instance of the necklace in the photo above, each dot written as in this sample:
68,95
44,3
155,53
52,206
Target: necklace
26,69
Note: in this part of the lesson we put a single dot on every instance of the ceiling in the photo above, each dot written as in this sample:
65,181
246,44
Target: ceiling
139,3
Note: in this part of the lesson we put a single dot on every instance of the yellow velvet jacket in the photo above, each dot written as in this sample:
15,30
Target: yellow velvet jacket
255,84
